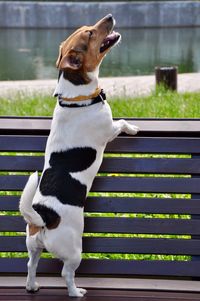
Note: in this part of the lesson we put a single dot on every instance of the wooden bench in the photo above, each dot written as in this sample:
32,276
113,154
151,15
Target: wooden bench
145,201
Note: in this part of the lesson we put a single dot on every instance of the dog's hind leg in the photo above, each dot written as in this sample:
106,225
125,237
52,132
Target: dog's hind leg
31,285
34,252
68,273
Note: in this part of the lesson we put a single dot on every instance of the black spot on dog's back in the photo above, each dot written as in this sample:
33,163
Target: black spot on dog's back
73,160
49,216
57,180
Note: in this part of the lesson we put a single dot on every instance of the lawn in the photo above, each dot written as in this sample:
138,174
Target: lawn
160,103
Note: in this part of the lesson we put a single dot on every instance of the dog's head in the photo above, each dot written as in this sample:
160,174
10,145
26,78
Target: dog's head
84,50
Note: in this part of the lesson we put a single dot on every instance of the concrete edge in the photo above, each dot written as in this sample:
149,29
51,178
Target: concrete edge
114,86
22,14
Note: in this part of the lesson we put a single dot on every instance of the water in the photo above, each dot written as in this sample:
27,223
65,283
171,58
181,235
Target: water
31,54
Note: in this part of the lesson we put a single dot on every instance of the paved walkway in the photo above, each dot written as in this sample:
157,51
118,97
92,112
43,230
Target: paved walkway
126,86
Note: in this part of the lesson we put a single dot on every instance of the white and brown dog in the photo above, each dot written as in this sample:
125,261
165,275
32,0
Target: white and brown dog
82,125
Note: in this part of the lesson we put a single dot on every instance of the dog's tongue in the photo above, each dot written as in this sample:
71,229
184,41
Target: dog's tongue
109,41
110,37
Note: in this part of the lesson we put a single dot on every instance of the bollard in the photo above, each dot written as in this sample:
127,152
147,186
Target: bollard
167,76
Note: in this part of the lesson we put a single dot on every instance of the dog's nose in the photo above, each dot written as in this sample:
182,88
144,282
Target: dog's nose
107,20
109,17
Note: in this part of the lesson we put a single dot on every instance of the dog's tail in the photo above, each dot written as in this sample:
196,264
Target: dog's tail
25,205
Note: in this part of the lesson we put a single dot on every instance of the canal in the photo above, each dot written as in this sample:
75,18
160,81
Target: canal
31,53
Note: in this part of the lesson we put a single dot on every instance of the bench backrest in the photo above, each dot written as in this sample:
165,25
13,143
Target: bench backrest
142,215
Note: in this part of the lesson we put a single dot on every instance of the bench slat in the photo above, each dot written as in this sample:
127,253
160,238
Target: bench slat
9,203
149,267
118,245
21,163
124,205
37,125
144,205
142,225
28,125
141,246
111,165
22,143
121,184
140,165
41,124
107,267
148,185
154,145
119,145
120,225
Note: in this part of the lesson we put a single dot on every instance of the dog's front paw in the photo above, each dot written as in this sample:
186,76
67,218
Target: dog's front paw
78,292
32,288
132,129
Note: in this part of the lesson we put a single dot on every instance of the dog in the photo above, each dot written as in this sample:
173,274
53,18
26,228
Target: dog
81,127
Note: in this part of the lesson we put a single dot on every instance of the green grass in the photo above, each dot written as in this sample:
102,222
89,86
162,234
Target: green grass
161,103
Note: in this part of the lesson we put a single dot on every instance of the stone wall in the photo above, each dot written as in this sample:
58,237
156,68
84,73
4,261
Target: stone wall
21,14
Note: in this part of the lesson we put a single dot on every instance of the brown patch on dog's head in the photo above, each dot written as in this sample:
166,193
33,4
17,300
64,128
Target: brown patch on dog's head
84,50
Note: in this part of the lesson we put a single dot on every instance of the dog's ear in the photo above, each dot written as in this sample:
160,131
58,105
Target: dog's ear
59,56
72,60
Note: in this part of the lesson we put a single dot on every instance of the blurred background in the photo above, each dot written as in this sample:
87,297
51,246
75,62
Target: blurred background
154,33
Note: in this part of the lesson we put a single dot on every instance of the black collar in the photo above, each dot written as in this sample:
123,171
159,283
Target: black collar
100,98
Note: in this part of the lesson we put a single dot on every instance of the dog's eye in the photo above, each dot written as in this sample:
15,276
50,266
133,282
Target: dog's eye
90,33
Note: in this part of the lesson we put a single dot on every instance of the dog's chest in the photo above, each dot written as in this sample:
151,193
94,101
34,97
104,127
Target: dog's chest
74,153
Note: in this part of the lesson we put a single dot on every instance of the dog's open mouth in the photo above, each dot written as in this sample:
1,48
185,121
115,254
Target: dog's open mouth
110,41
